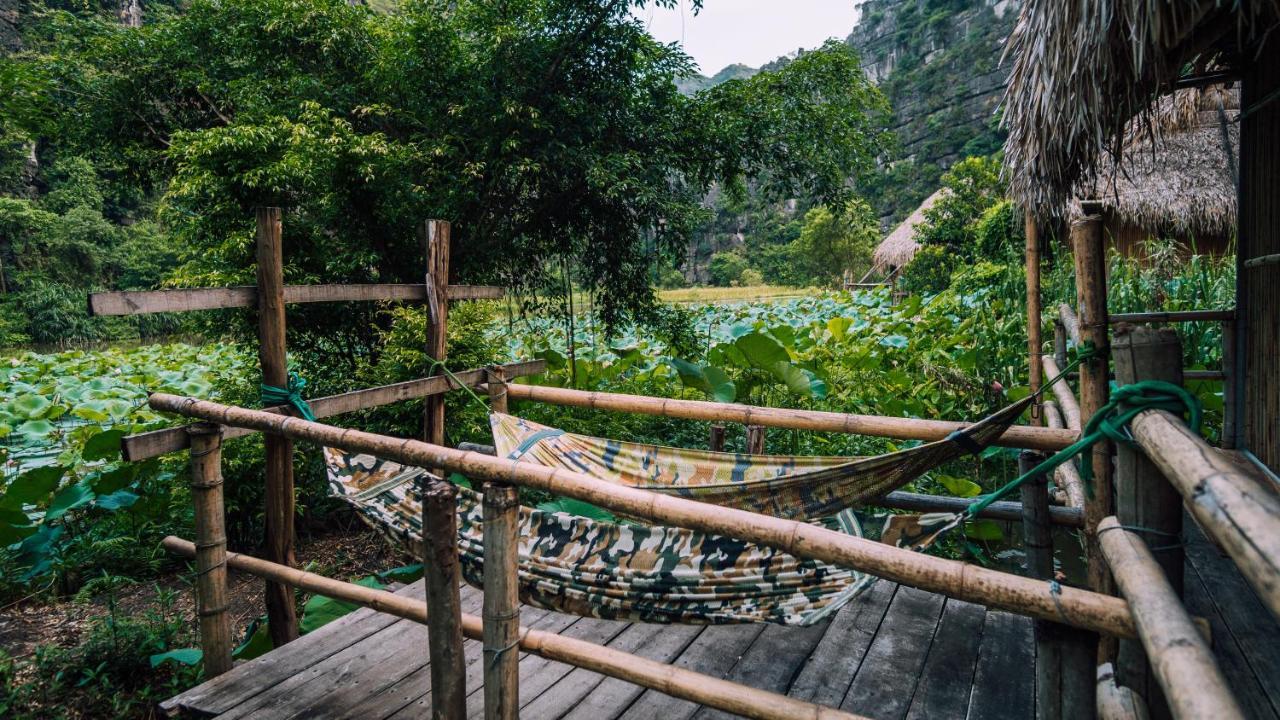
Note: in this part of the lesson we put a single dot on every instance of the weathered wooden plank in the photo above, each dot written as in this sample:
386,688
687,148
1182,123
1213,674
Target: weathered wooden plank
611,697
947,680
141,302
713,653
773,661
1246,637
568,692
1174,316
159,442
831,668
887,679
1004,680
538,673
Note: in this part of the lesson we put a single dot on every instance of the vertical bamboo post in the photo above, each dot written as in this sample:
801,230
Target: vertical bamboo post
435,239
444,602
1034,320
497,379
211,548
1059,343
1230,387
1144,498
1037,537
755,439
282,615
501,603
717,437
1091,297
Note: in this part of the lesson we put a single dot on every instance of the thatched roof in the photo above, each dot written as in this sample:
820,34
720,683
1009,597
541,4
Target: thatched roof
900,246
1083,69
1182,178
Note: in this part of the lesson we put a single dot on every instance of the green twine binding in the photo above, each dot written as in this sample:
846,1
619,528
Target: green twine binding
290,395
1110,422
439,365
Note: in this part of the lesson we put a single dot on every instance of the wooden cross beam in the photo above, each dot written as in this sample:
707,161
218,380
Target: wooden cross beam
140,302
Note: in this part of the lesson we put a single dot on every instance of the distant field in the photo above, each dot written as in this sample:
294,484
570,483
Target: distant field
733,294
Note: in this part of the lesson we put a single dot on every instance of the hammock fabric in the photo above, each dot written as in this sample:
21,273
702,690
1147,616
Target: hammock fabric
799,488
610,570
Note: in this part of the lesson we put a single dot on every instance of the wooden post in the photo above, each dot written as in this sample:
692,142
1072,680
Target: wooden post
1065,677
501,602
1144,497
1180,657
1230,387
435,239
717,437
444,603
755,439
1034,320
282,615
211,548
1091,299
1059,343
497,380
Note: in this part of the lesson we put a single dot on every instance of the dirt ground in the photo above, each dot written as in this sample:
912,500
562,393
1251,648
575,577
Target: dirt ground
30,622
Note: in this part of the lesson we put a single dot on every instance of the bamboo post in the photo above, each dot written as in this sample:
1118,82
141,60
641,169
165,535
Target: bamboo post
1059,343
672,680
1065,686
497,381
1180,657
1091,297
1066,476
210,547
716,444
501,602
755,439
1116,702
443,575
1034,312
991,588
1068,406
435,239
282,614
1230,387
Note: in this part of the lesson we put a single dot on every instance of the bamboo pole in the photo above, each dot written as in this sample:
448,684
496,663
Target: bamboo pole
210,548
435,239
1070,323
501,602
282,614
1234,508
1230,387
1065,686
1059,343
956,579
497,389
1180,658
1066,475
442,575
1020,436
755,439
1091,299
1034,312
1068,406
671,680
1116,702
716,443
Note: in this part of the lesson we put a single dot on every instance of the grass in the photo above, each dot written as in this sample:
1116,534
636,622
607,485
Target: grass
732,294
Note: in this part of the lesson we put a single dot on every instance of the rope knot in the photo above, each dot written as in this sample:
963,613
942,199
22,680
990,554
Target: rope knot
290,395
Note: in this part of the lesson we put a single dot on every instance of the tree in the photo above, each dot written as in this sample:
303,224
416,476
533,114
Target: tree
833,244
975,186
549,131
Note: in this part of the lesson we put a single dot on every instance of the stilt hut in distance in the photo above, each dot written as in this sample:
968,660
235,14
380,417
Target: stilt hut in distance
896,250
1176,177
1084,71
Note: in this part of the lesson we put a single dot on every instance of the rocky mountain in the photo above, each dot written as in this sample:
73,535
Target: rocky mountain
938,62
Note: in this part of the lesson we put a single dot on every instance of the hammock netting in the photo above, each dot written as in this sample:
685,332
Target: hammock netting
627,571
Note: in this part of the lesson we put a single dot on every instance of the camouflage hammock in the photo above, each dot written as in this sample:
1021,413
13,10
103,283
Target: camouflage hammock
793,487
574,564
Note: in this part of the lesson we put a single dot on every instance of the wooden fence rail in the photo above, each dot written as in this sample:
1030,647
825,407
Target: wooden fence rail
141,302
975,584
1019,436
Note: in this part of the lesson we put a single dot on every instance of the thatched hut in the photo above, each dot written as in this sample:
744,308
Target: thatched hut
1084,72
1175,181
897,249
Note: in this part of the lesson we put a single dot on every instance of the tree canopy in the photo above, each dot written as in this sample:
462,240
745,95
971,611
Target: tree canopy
550,132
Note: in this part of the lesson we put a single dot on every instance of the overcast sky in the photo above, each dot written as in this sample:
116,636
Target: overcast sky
751,32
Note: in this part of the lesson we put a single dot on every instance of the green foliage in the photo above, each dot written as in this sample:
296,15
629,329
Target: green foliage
929,271
832,245
726,268
973,186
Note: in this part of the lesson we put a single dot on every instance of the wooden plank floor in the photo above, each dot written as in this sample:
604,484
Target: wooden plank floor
895,652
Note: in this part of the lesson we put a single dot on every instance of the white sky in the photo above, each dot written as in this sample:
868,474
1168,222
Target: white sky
751,32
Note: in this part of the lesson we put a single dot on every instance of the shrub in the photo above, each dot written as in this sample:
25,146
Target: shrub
929,271
751,277
726,268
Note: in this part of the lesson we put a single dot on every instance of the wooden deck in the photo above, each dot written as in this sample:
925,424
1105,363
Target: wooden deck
895,652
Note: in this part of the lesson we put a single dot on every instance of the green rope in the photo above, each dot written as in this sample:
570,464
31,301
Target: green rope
1086,352
290,395
439,365
1110,422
